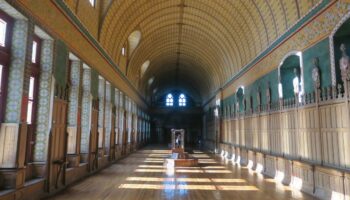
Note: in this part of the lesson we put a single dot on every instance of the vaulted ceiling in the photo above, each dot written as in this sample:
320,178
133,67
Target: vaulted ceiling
195,45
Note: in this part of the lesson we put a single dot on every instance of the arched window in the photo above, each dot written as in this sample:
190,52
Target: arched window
144,67
150,81
182,100
123,51
169,100
133,41
92,2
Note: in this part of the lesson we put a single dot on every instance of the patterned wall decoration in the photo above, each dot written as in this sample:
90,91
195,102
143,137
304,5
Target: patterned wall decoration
331,45
16,75
101,96
42,129
108,117
74,93
101,108
121,118
89,15
116,103
86,111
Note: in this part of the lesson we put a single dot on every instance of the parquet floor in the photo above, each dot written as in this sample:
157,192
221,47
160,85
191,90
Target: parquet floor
141,176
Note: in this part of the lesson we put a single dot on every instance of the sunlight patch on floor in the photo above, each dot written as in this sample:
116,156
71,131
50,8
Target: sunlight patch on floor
188,187
199,180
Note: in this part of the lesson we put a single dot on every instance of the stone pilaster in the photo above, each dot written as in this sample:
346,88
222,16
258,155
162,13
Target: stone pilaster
86,111
73,106
108,117
101,108
16,75
121,126
116,103
43,119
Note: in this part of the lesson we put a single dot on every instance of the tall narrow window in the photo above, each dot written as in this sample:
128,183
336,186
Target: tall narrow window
33,81
6,23
123,51
32,103
30,100
92,2
169,100
3,26
182,100
34,51
1,77
1,71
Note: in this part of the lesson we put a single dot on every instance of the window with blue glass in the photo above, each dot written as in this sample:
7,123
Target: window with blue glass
182,100
169,100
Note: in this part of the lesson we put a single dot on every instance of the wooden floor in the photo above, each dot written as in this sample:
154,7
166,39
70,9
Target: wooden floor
142,176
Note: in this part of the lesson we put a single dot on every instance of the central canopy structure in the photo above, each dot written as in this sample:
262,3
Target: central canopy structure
176,133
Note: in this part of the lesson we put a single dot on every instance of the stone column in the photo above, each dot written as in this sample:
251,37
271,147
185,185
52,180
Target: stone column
45,101
143,129
86,114
122,125
129,118
139,129
101,108
108,117
135,125
73,107
116,103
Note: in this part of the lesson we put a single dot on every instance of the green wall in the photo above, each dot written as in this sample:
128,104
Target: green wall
252,90
94,83
60,63
342,36
112,94
320,50
287,75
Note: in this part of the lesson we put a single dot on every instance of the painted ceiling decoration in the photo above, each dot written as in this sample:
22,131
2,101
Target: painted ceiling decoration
196,45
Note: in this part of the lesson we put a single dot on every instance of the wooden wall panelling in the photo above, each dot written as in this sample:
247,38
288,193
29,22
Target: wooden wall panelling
270,166
264,133
93,158
303,177
334,131
329,183
347,186
112,139
58,144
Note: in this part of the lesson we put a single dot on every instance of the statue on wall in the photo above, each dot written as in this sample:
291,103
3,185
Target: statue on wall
344,63
244,104
258,97
296,81
268,93
316,73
